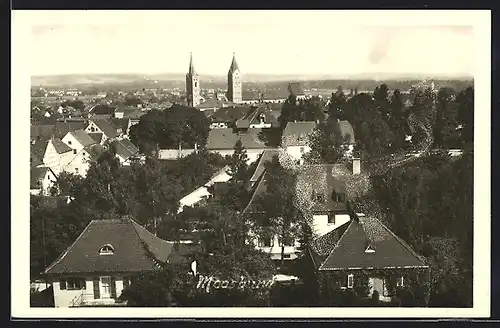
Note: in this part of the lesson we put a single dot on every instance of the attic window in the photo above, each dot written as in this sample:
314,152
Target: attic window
400,282
370,249
350,281
106,250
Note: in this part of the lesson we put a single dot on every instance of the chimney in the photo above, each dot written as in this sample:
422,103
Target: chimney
356,165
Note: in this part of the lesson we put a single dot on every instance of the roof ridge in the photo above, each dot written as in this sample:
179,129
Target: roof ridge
69,247
401,241
338,243
257,184
258,164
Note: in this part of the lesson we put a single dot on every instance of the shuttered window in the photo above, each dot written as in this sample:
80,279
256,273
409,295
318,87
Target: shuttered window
97,293
62,284
126,282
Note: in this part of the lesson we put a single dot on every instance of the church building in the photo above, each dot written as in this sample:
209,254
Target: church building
234,93
192,85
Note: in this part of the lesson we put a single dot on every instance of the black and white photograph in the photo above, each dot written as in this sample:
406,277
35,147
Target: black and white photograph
238,163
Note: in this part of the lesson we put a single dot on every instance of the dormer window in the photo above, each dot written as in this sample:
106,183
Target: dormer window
370,249
106,250
318,197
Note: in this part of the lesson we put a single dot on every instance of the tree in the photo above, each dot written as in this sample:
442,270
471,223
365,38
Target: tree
312,109
445,123
238,163
290,112
398,120
381,97
465,111
281,216
336,107
327,143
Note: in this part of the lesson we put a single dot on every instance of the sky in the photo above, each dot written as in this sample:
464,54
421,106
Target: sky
265,42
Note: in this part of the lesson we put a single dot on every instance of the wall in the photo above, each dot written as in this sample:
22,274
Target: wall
275,250
260,126
295,151
48,181
72,142
63,298
51,158
81,162
253,154
322,227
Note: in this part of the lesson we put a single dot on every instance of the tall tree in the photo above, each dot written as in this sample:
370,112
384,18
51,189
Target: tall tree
290,111
445,123
398,120
327,143
281,217
465,111
381,97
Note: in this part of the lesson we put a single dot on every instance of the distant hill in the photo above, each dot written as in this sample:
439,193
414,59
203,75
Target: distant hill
96,79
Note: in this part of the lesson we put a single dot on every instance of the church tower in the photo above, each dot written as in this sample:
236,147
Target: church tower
192,85
234,82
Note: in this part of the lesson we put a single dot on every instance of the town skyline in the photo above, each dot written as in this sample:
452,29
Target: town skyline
262,45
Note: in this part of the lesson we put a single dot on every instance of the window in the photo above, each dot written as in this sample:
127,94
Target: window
370,249
106,250
265,242
350,281
69,142
195,84
287,256
76,170
74,151
72,284
126,282
319,198
302,150
331,218
400,282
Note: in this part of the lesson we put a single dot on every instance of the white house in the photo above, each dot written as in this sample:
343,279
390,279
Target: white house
80,163
77,140
202,192
57,155
42,180
104,259
104,126
126,151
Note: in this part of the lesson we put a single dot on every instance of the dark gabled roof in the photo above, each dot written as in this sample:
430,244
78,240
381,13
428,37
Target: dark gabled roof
390,250
119,123
297,133
41,131
322,179
96,136
34,158
37,174
125,148
102,109
295,88
62,128
135,249
60,146
230,114
265,157
227,138
106,127
323,245
83,137
95,150
259,189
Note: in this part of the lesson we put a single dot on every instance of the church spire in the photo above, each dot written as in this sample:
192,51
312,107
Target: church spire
234,64
191,71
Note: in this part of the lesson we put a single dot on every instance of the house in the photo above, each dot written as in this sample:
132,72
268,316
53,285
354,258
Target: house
295,138
225,117
42,180
269,244
260,168
126,151
80,163
258,117
62,128
104,259
202,192
296,90
77,140
365,253
104,126
323,197
53,153
222,141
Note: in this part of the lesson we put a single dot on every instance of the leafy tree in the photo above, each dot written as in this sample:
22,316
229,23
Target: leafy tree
312,109
290,111
465,112
281,217
381,97
238,163
337,104
327,143
398,120
445,124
